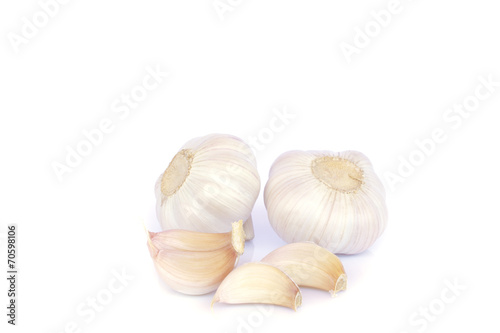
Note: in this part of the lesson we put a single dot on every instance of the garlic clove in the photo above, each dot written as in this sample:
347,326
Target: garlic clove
210,182
310,265
195,263
248,227
258,282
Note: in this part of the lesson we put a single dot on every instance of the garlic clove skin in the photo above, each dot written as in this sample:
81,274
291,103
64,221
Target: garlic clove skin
310,265
248,228
258,282
195,263
332,199
211,182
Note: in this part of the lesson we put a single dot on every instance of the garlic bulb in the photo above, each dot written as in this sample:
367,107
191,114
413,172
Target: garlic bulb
195,263
332,199
211,182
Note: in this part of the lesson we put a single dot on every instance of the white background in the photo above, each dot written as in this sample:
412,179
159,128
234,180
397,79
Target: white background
228,76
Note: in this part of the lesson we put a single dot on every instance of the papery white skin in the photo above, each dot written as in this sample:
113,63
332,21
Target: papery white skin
302,208
222,187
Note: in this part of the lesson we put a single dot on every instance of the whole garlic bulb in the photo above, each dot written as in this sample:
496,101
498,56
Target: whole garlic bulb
211,182
332,199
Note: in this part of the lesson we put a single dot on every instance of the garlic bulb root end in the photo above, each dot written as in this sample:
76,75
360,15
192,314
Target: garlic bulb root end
338,173
176,172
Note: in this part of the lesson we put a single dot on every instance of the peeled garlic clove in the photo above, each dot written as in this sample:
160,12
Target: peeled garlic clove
195,263
310,265
258,283
332,199
211,182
